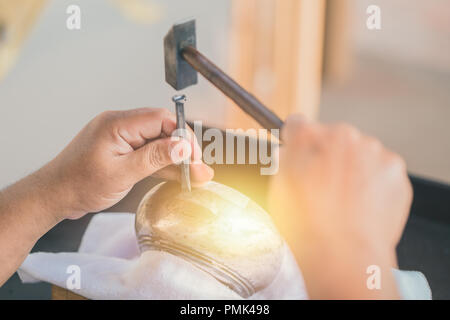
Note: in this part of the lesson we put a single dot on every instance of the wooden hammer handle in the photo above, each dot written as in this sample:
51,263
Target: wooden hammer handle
245,100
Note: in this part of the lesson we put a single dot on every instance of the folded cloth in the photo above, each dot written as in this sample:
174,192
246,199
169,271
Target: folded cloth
110,266
412,285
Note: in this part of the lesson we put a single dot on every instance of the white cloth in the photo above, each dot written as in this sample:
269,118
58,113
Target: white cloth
412,285
111,267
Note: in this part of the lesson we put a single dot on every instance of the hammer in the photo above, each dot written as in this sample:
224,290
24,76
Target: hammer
183,61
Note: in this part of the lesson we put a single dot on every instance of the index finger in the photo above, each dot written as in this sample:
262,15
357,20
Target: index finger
137,126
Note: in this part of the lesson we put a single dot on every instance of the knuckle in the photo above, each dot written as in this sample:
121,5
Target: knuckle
106,116
346,131
373,144
294,124
155,156
344,136
162,113
396,162
306,131
309,138
105,119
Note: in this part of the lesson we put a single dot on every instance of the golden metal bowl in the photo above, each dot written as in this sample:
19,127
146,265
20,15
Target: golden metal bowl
217,229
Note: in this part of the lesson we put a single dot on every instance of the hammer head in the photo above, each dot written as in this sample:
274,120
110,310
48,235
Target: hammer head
179,74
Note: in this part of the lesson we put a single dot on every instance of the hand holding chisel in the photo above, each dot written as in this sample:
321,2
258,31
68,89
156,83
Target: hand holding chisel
181,128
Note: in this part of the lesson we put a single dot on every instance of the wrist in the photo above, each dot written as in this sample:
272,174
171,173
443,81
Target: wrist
346,248
340,268
26,206
28,209
54,192
338,242
44,202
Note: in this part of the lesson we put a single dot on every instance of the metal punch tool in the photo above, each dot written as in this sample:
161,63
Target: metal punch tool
181,127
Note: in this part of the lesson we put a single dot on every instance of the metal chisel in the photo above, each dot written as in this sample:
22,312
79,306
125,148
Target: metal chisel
181,124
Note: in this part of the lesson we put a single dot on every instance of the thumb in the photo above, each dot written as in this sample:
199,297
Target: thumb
159,154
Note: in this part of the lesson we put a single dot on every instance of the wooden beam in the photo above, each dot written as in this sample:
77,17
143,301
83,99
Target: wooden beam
337,51
16,19
276,53
307,72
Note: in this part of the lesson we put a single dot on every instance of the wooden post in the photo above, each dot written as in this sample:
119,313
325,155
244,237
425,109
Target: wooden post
276,53
337,52
16,19
59,293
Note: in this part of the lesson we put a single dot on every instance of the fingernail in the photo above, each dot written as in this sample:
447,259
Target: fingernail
180,151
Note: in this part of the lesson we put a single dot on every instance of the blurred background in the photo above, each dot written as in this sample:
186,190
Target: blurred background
395,83
316,57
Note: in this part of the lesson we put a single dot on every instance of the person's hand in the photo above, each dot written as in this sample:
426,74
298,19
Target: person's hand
96,170
113,152
338,194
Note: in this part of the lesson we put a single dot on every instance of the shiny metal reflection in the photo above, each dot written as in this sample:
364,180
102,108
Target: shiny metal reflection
217,229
